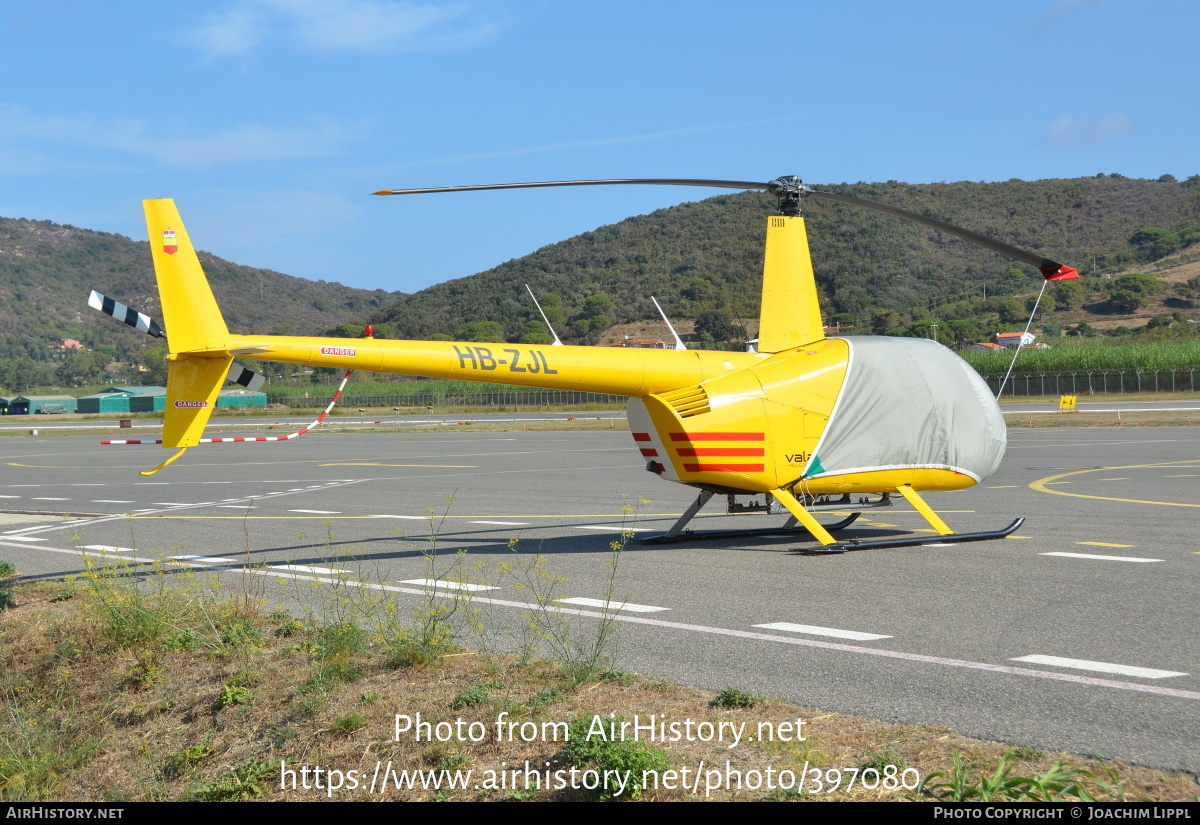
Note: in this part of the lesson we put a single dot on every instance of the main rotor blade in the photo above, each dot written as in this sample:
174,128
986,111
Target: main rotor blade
1051,270
718,184
790,190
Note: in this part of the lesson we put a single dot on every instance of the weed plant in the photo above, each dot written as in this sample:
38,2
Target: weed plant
628,757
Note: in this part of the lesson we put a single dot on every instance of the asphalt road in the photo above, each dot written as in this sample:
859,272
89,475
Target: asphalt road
1102,578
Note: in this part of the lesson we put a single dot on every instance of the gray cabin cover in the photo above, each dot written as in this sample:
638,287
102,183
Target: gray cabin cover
907,403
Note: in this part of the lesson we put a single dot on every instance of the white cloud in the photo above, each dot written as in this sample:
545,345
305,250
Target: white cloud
243,143
1062,9
348,25
235,31
239,144
1069,131
593,142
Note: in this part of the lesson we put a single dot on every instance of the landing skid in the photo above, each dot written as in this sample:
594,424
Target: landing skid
791,527
788,529
911,541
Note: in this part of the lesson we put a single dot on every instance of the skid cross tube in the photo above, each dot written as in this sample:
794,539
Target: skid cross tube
677,533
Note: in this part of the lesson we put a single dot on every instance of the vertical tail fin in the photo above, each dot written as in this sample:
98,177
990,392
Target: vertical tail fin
189,309
791,313
197,338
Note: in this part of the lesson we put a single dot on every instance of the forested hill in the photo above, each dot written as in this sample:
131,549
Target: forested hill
708,255
47,271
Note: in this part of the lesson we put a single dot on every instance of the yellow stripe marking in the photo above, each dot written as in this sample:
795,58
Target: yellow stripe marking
1016,537
1041,484
1104,544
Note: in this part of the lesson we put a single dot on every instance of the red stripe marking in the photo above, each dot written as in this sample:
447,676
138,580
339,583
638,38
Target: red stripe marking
723,468
649,452
701,451
641,436
716,436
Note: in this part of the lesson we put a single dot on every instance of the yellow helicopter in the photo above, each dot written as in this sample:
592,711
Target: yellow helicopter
807,423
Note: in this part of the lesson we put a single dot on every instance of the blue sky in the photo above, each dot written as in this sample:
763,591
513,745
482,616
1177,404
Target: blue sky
270,121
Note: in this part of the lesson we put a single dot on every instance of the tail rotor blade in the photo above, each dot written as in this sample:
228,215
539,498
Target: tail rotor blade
245,377
126,315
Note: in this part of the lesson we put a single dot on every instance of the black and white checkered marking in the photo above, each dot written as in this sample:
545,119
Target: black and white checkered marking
125,315
238,374
247,378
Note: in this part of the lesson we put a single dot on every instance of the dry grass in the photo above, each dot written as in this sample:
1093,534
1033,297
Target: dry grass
92,718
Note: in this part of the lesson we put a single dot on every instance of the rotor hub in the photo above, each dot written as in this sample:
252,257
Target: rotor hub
789,189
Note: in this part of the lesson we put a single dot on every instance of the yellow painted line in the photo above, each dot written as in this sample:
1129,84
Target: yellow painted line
1104,544
1185,475
1041,484
379,464
880,524
1016,537
434,517
915,513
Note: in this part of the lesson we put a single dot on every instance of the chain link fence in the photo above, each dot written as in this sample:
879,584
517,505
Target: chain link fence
1094,382
1080,382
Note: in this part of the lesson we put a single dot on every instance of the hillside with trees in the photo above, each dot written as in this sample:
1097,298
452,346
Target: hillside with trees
1134,241
48,270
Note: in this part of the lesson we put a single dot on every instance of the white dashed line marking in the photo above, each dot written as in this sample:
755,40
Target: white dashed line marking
174,503
236,506
449,585
813,630
202,560
1099,667
304,568
49,498
108,548
605,604
1100,558
610,529
319,512
22,538
9,496
503,523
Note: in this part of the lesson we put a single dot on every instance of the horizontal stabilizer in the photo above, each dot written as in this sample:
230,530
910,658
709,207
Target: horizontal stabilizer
126,315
